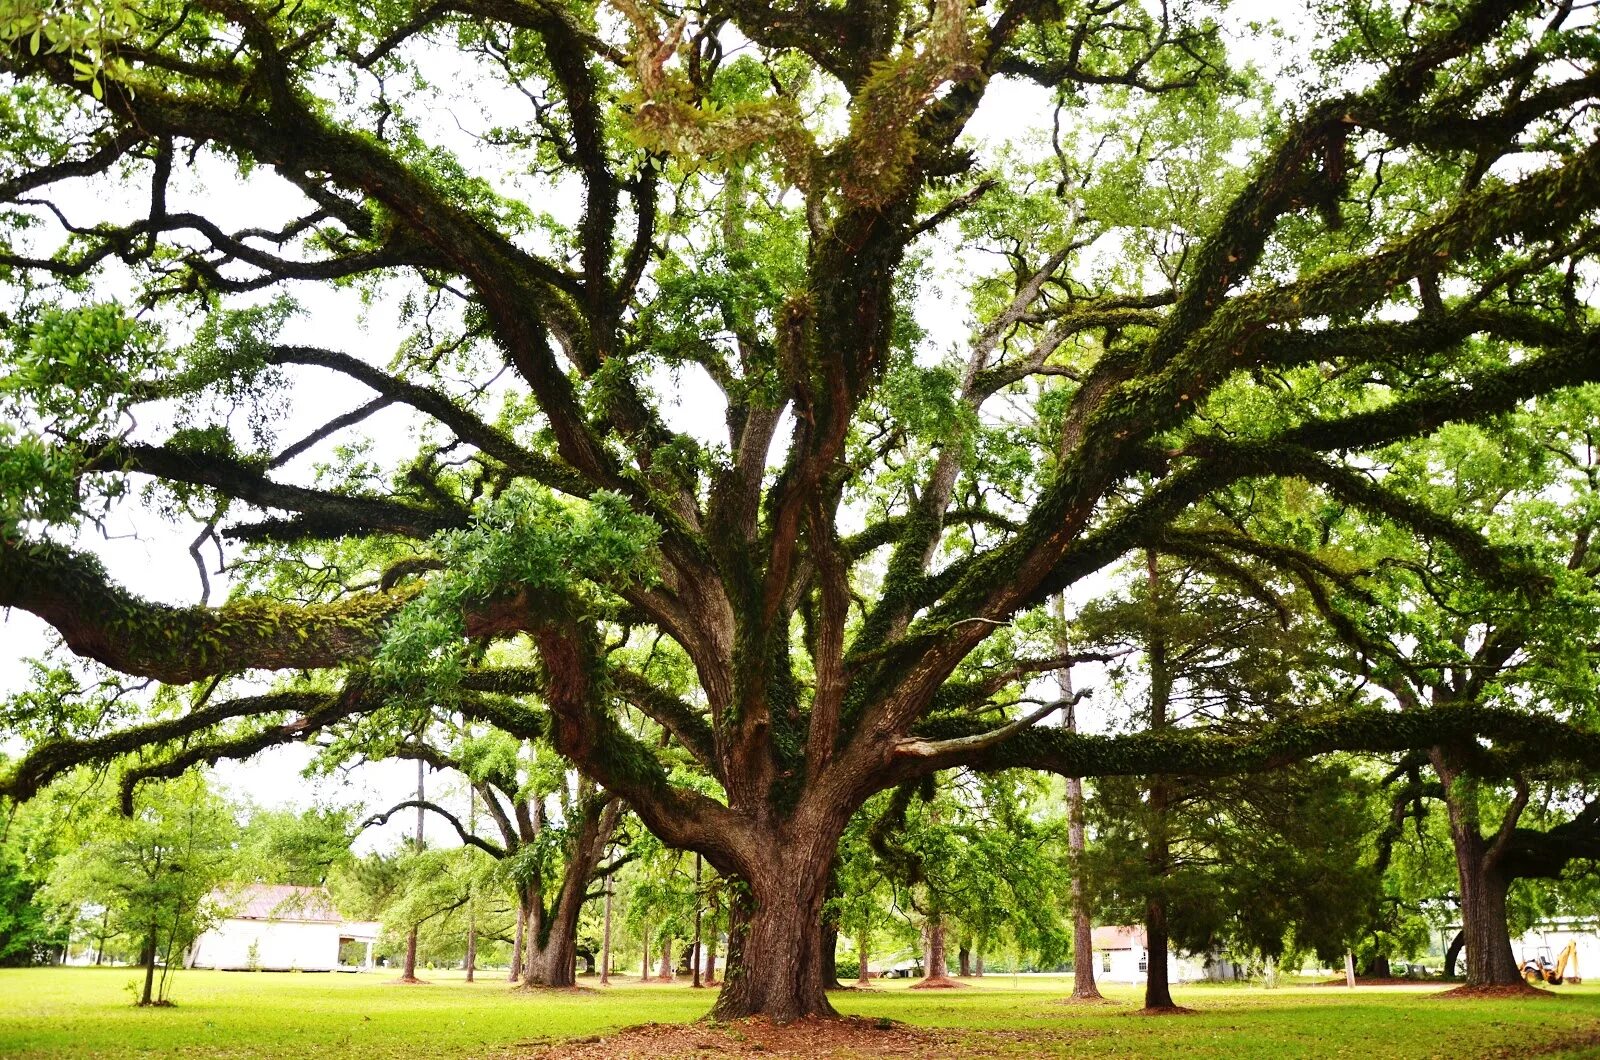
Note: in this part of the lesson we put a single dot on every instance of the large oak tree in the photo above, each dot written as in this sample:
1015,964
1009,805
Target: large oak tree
1197,286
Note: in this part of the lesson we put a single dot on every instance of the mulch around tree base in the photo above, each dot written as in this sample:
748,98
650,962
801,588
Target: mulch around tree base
847,1037
939,982
1502,991
1163,1010
1376,981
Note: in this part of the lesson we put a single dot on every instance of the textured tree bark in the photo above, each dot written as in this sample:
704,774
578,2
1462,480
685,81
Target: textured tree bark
863,975
552,960
774,966
1486,936
964,961
666,972
934,969
977,965
409,973
711,948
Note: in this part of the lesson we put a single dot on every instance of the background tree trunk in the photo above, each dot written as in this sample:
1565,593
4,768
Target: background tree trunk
666,972
863,976
605,939
964,961
830,953
516,942
1452,953
714,927
148,959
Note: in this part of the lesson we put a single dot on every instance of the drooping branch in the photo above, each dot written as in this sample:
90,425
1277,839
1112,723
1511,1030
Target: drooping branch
470,838
1519,737
50,759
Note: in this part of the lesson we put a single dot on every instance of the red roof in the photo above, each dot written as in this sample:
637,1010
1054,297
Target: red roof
276,901
1119,937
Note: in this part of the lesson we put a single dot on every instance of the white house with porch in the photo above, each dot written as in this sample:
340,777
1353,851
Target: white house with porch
279,928
1121,955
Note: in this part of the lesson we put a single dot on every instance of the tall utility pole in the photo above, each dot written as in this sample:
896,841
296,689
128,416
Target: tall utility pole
410,974
694,959
605,939
472,889
1083,984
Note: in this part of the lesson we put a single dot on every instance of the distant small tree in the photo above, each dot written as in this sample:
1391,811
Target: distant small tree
152,871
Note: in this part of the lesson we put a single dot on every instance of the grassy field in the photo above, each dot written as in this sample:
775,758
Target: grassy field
83,1012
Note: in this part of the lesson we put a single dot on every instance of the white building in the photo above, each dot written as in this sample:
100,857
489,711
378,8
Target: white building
275,927
1121,955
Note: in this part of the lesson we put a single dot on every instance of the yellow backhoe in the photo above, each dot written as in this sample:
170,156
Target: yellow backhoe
1540,969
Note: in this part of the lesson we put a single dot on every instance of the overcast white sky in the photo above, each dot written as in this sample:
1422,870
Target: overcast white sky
152,558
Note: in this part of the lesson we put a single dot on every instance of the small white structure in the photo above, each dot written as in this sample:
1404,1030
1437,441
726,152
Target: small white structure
1122,955
276,927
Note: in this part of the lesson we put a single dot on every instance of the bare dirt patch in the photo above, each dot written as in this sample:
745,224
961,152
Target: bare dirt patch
841,1038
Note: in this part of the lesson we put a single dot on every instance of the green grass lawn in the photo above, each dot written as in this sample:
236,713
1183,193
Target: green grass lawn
83,1012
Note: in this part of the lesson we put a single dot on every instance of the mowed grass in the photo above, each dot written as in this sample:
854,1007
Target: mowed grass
82,1012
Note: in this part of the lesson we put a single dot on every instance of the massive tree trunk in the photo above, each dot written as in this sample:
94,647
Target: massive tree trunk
553,958
1483,882
774,965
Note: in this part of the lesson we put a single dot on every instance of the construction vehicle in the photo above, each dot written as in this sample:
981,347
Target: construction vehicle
1540,969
